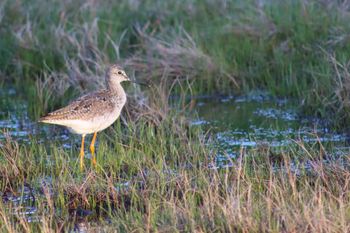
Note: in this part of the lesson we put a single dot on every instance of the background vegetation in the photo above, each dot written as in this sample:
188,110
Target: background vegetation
290,48
51,51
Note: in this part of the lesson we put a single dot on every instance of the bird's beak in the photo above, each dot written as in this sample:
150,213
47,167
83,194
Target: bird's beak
140,83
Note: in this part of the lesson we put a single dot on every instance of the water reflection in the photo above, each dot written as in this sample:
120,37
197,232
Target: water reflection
258,119
21,203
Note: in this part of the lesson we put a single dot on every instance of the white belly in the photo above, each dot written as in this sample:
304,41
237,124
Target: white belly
96,124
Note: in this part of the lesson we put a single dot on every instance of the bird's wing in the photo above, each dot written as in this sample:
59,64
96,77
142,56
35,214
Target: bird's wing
81,108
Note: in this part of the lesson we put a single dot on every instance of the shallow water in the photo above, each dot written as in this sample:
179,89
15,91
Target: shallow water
13,115
16,123
258,119
235,122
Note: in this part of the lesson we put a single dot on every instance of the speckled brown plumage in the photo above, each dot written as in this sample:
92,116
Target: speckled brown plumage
86,107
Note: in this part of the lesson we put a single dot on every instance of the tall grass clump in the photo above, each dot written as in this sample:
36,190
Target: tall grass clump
336,102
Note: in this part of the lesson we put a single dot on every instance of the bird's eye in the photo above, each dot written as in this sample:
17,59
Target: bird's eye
119,72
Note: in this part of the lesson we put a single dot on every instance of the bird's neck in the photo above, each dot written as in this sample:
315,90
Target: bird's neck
116,89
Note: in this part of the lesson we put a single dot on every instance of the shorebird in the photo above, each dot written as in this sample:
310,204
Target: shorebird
93,112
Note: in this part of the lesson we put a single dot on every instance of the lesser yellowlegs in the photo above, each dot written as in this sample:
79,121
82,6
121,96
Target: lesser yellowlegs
93,112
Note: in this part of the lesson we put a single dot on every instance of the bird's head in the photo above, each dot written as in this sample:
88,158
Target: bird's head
117,74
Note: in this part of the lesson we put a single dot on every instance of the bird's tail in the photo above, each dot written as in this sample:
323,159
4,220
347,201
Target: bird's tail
47,119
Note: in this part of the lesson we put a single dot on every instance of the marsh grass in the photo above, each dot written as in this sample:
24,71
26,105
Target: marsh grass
155,172
150,179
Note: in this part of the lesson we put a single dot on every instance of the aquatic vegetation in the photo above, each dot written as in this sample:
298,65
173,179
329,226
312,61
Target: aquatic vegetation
155,181
169,176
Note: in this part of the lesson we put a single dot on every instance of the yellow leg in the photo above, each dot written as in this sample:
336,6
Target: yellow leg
92,149
82,152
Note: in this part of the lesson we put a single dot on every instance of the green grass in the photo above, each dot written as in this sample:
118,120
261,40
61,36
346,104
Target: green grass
226,47
52,51
172,187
